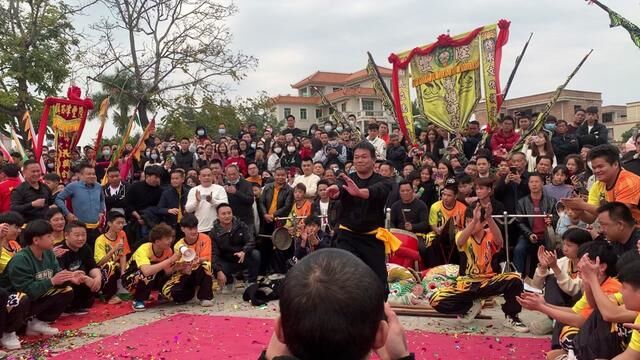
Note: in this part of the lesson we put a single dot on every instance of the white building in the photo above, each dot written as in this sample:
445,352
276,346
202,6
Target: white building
350,93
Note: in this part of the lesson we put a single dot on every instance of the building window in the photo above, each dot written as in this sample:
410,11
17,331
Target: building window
343,107
303,114
287,112
318,113
303,92
367,106
607,117
610,134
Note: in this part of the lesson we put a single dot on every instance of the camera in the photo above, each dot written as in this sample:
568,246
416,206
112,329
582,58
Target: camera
513,170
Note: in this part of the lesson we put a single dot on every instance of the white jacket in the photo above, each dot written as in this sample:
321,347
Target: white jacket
570,286
381,148
205,210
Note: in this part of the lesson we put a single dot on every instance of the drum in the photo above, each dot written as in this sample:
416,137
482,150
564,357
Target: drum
408,239
281,238
407,255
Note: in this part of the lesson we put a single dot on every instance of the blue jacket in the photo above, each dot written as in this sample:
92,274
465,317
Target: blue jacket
87,201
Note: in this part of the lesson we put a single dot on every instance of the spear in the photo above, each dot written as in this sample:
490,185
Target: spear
513,72
543,115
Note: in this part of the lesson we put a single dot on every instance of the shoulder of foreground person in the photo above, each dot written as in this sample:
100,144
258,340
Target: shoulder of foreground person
263,356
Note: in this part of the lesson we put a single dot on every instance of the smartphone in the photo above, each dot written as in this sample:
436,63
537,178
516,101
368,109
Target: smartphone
513,170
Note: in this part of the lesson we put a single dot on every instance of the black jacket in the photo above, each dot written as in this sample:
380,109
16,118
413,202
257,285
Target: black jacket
170,199
598,135
470,145
185,161
226,243
141,196
564,145
115,201
417,214
525,207
24,194
242,202
509,194
333,212
284,202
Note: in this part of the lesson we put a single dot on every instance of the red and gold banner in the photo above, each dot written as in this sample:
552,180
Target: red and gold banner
69,116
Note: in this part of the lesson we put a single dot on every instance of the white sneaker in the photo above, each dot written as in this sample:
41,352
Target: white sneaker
514,323
472,313
37,327
10,341
206,303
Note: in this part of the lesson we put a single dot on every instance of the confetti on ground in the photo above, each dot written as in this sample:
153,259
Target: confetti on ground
186,336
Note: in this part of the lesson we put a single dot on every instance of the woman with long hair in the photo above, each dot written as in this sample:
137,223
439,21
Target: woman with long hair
273,161
536,145
427,188
223,152
291,157
576,174
433,144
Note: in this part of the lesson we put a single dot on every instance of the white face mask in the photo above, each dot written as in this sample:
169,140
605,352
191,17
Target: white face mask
222,131
339,129
154,156
291,149
277,150
200,133
328,128
253,146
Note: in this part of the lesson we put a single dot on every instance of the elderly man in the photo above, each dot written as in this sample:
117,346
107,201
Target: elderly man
31,198
240,194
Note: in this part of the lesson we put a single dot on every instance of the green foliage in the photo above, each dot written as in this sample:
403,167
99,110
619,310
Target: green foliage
259,110
186,117
37,40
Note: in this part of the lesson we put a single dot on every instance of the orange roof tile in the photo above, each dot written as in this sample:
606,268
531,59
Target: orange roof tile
347,92
296,100
336,78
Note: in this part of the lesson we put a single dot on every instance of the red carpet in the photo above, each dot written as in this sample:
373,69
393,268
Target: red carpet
185,336
99,312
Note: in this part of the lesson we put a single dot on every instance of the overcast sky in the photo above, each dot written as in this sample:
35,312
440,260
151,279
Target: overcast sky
294,38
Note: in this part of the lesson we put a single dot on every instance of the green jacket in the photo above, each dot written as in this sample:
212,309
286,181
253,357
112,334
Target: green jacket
25,273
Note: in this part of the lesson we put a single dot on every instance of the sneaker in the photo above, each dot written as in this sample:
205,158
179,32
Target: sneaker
80,311
114,300
228,289
138,306
514,323
472,313
206,303
38,327
542,326
10,341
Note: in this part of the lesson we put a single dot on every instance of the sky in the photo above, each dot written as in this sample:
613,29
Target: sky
294,38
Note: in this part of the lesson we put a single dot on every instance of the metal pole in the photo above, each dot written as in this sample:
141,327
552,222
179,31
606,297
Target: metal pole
507,219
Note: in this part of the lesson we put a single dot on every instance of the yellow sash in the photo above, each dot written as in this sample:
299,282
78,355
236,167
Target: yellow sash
391,242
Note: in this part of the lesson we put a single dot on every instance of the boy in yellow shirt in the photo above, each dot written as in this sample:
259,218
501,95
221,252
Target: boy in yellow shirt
150,265
193,274
110,253
9,241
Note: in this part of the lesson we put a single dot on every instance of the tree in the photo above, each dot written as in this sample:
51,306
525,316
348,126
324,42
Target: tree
120,97
259,110
37,43
173,47
183,119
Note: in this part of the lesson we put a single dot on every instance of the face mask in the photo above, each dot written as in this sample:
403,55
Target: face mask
260,146
200,132
291,149
192,148
277,150
50,165
234,182
222,131
339,129
253,146
49,143
106,152
550,126
154,156
328,128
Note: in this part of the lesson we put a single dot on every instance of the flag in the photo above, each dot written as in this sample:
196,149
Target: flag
102,115
617,20
137,150
382,90
31,135
125,137
18,145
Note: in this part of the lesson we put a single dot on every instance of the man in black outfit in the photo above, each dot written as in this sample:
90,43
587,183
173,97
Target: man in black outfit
240,195
363,195
409,213
32,198
141,197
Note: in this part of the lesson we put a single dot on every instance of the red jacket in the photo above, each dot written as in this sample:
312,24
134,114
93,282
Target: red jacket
499,140
239,162
6,187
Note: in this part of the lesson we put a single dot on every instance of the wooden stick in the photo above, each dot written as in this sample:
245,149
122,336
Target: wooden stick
432,313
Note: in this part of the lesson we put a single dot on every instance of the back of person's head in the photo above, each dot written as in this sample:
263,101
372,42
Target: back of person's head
629,269
11,170
12,218
36,228
189,221
600,249
331,306
53,177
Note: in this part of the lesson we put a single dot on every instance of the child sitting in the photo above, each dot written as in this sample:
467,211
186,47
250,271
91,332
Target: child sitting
311,238
8,240
568,219
192,274
34,271
111,250
150,265
477,279
559,189
559,279
78,258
